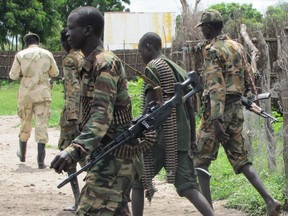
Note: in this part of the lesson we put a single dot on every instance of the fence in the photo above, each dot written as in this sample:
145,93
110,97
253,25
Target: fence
131,57
185,58
188,58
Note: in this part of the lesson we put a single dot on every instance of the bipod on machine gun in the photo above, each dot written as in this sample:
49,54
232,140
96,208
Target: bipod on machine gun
154,118
252,106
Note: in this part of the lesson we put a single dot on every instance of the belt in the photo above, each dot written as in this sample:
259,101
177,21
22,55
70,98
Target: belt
230,98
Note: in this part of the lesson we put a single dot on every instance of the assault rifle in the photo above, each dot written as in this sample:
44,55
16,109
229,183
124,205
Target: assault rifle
155,117
251,106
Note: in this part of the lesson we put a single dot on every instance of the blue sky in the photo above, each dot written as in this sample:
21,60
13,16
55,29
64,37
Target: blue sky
175,6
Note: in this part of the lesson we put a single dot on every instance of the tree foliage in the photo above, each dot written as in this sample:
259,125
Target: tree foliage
276,19
44,17
102,5
235,14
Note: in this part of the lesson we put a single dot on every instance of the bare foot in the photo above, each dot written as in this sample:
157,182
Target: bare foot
274,208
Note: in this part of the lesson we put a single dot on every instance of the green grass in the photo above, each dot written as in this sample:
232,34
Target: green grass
57,104
8,105
8,95
135,94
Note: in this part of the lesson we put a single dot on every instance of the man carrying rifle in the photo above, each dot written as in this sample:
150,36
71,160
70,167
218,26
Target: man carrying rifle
172,149
106,112
226,79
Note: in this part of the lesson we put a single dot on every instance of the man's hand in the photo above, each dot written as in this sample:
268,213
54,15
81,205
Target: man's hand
61,162
194,147
220,132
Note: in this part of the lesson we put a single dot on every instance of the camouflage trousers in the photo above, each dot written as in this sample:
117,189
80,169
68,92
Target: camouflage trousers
41,114
107,188
208,146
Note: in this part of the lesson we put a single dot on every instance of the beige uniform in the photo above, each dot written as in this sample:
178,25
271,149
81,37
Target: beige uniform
34,66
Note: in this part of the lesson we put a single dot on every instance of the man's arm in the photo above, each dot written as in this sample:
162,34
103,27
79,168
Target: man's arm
15,70
215,84
53,71
150,96
190,109
72,89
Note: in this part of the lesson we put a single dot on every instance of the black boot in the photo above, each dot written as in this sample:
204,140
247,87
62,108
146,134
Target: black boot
76,192
204,183
21,153
41,156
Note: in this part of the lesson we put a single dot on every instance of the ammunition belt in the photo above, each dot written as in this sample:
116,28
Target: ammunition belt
170,134
122,116
147,180
86,104
148,169
130,150
170,126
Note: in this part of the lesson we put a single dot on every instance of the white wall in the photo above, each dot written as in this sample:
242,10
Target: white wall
123,29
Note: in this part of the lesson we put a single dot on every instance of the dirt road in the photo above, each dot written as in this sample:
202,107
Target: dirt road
26,190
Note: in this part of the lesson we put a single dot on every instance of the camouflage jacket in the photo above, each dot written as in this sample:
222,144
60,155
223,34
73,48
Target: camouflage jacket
72,64
33,65
226,71
104,87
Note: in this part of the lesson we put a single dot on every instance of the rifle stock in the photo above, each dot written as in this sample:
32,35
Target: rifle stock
155,117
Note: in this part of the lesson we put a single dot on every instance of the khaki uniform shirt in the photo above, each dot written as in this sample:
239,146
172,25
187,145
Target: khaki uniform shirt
33,65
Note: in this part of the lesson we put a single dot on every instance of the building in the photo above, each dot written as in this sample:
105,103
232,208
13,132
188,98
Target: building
124,29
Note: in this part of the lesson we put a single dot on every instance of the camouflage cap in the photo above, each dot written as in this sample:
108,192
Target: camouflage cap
31,34
210,16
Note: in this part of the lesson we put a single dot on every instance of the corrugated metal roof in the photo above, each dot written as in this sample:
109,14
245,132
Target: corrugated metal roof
123,30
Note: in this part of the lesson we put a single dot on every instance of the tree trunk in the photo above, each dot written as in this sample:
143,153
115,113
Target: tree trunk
196,6
185,6
252,48
264,64
249,132
16,42
282,77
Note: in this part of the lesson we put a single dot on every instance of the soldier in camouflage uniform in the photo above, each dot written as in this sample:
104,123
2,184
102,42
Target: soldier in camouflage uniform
178,131
106,112
69,119
33,66
226,78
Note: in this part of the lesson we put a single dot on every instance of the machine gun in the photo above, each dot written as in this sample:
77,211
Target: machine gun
154,118
251,106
